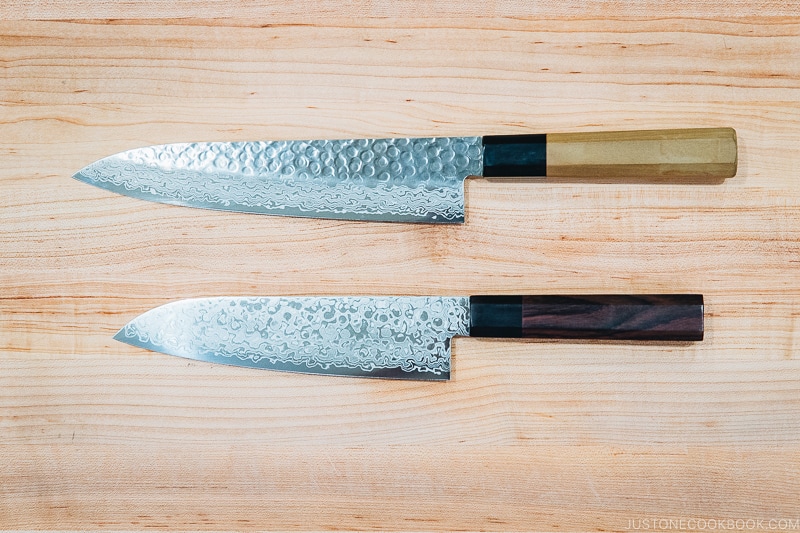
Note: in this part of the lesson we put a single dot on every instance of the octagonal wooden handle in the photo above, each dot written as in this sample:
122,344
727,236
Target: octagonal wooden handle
675,153
651,317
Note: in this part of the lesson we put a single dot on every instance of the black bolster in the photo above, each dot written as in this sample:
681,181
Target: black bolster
495,316
513,156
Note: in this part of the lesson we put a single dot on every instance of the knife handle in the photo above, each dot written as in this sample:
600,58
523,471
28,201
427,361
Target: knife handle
655,317
687,153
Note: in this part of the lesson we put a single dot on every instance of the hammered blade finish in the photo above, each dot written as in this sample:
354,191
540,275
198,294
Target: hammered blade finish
383,336
403,180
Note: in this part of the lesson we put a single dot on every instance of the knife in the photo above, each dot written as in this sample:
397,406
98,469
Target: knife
403,337
401,180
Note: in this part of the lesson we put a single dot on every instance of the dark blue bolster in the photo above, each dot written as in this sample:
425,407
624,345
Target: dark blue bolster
509,156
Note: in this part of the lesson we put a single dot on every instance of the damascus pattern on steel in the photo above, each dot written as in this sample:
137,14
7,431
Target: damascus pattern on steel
392,337
404,179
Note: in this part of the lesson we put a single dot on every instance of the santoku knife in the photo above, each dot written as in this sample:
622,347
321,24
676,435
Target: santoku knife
395,336
403,179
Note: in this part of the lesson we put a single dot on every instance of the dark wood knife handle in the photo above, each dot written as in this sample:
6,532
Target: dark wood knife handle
652,317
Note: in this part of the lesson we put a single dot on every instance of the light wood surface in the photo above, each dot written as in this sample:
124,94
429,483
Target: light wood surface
553,436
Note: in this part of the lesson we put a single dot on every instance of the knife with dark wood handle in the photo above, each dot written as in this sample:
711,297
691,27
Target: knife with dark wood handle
402,337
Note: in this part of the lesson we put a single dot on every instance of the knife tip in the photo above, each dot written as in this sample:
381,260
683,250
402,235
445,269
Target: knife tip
79,175
121,337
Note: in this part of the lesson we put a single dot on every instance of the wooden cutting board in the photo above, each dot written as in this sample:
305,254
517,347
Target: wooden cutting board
553,436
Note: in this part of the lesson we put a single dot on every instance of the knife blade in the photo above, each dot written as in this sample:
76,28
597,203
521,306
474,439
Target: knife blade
402,337
396,180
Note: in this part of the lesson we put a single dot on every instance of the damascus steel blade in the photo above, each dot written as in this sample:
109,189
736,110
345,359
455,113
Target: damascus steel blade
388,337
402,180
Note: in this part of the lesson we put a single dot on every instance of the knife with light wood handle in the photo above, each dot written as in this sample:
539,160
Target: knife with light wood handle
400,179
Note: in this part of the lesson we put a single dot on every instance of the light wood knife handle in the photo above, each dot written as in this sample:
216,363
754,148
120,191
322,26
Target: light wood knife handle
687,153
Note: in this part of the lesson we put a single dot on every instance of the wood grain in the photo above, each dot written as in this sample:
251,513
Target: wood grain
665,317
323,10
528,435
700,153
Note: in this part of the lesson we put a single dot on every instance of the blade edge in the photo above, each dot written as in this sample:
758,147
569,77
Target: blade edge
388,373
